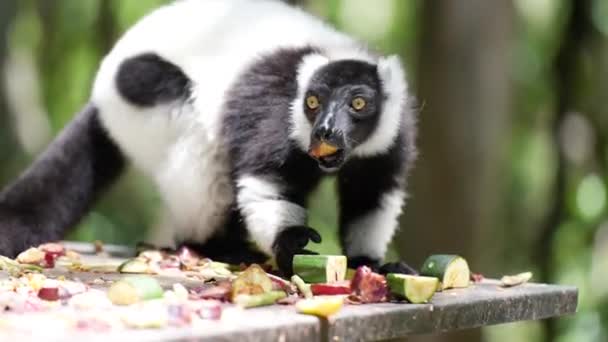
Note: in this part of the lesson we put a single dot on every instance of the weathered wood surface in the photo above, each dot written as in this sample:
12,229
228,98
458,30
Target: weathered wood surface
479,305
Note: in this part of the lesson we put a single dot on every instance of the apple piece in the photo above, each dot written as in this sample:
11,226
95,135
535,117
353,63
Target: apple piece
32,255
49,293
368,286
341,288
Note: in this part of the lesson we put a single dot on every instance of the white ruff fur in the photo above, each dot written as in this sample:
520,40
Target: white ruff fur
179,144
395,89
370,234
395,107
301,127
265,212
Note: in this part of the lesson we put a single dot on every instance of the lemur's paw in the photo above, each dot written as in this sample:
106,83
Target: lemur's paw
291,241
397,267
355,262
374,264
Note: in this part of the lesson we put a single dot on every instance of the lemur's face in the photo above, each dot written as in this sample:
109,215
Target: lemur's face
343,104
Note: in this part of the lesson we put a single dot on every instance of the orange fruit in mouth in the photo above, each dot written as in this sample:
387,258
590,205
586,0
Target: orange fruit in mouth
323,149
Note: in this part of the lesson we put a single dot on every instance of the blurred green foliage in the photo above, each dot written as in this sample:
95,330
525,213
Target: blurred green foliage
67,39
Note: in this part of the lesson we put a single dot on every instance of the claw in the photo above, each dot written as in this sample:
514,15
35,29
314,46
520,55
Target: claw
290,242
397,267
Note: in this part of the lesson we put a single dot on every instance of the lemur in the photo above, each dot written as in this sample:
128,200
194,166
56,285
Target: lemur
222,104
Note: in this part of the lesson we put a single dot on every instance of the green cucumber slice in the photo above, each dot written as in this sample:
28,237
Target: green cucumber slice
320,268
416,289
452,270
131,290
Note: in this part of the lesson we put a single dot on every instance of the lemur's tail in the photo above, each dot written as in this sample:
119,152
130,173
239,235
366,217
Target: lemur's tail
58,189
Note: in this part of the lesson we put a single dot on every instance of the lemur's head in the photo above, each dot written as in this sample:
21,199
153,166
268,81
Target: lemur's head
347,107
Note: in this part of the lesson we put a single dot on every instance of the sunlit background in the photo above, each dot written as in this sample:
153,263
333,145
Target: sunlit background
513,132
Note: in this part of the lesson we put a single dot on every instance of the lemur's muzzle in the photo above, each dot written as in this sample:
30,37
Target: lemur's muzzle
327,146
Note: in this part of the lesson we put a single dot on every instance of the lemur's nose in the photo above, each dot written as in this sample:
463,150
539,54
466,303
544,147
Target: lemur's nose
323,133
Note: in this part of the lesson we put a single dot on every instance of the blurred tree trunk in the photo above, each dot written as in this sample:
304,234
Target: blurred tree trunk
7,138
464,96
579,29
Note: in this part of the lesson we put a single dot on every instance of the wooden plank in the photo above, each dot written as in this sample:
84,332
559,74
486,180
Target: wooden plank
479,305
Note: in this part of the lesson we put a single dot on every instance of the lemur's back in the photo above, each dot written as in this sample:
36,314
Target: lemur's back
179,144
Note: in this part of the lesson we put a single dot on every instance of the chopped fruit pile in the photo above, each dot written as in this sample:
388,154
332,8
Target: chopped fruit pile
136,299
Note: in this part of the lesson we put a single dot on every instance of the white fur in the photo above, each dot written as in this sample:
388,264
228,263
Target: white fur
370,234
265,211
395,88
179,144
301,127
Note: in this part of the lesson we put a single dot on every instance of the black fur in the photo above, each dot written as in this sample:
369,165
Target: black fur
337,84
230,244
361,184
335,120
58,189
62,184
376,266
256,128
363,181
147,80
257,122
291,241
397,267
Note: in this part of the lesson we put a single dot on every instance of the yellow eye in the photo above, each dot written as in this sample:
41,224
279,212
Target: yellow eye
358,103
312,102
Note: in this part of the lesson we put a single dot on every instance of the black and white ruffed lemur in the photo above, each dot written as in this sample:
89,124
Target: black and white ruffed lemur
220,102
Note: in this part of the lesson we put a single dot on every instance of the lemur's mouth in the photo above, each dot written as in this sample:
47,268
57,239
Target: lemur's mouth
332,161
329,156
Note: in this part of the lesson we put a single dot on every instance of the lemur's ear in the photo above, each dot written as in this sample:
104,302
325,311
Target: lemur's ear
392,75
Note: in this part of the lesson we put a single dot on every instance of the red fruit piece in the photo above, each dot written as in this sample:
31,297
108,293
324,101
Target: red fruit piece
279,283
220,291
49,260
340,288
54,249
368,286
477,277
49,293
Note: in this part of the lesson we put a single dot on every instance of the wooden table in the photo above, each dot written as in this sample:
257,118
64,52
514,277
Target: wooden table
482,304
